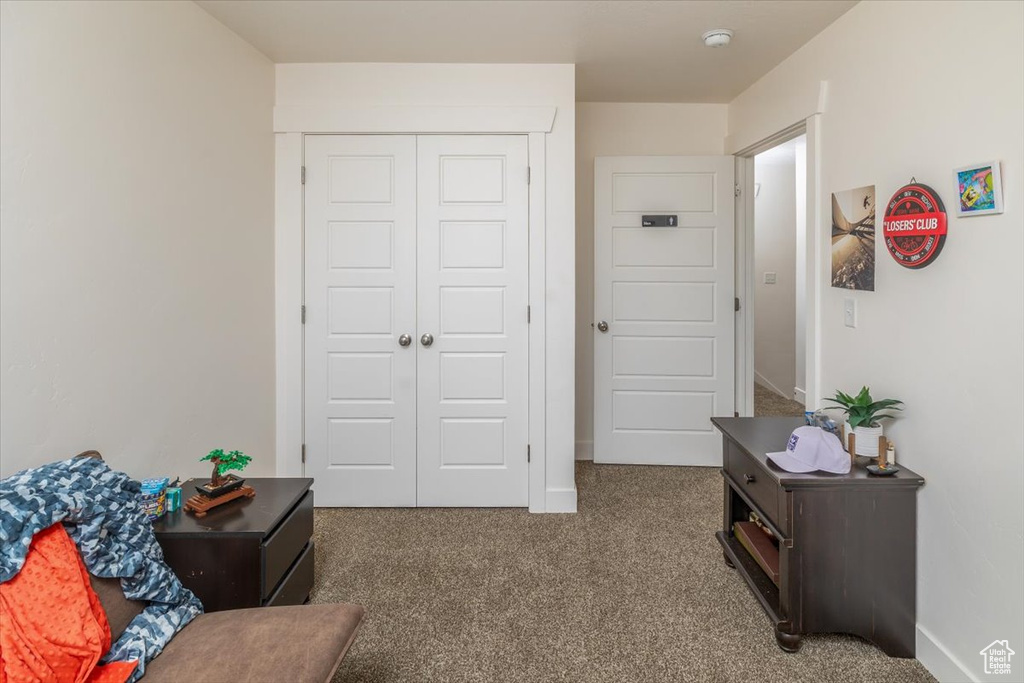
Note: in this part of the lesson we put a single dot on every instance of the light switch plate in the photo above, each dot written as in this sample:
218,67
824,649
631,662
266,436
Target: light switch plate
850,312
769,278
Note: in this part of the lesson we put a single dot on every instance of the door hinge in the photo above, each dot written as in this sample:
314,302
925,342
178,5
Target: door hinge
303,454
528,315
529,174
303,175
303,314
736,191
527,452
736,304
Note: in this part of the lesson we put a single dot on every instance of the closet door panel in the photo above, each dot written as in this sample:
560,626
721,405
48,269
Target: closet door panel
360,294
472,292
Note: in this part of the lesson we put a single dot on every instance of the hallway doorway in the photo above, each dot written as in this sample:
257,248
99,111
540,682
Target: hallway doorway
779,279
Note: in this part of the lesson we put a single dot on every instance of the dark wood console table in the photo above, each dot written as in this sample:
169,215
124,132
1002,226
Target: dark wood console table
847,542
251,552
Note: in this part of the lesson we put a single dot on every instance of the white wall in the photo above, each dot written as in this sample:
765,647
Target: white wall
136,267
945,339
490,84
775,251
622,129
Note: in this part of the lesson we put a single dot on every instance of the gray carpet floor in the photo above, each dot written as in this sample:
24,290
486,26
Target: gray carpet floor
631,588
769,404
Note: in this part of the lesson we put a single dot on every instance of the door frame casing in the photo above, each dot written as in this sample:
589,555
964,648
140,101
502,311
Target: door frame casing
745,275
289,255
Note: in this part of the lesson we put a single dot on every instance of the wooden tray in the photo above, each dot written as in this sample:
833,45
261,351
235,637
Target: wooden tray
200,505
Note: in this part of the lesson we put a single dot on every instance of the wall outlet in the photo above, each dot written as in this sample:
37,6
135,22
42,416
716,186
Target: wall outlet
769,278
850,312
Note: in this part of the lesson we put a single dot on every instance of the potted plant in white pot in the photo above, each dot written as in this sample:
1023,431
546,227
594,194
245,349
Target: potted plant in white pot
862,418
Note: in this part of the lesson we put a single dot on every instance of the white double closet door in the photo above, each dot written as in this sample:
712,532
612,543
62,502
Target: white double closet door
416,337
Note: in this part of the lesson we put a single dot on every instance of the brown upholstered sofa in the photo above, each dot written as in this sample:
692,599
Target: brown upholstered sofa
303,643
273,644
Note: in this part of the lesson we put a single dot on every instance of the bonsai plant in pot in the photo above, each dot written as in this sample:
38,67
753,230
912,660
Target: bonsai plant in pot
863,414
220,484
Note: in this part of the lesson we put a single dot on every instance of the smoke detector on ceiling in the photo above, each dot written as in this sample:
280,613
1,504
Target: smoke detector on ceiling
717,37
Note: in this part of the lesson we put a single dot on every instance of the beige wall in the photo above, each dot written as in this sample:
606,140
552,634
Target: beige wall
136,275
935,87
618,129
775,251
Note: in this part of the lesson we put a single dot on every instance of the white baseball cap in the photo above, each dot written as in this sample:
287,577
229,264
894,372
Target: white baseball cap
811,449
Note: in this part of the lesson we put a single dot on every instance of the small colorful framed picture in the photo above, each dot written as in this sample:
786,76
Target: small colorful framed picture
979,189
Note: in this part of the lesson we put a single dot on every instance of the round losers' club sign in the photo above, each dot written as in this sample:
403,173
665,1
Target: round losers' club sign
914,225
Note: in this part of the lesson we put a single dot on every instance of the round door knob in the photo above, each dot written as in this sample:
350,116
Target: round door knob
404,340
749,478
603,326
427,339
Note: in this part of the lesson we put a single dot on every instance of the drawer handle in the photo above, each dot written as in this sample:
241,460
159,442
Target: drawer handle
749,478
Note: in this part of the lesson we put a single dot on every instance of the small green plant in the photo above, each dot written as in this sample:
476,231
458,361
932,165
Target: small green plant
863,411
222,462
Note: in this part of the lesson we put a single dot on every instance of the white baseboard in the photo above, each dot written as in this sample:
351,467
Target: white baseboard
584,450
561,500
800,396
939,661
760,379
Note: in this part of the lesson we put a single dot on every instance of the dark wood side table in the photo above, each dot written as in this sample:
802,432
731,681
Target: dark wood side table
250,552
848,542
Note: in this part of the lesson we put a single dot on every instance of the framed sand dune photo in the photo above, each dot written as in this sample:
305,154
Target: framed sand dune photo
853,239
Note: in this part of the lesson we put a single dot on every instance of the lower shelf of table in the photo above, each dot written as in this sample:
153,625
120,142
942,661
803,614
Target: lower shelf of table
766,592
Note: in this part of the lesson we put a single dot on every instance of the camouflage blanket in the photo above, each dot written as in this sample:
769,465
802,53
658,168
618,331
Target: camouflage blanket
100,510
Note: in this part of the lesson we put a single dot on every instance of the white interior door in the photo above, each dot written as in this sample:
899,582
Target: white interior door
473,294
663,302
360,293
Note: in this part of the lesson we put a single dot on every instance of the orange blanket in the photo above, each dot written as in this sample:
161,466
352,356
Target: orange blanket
52,626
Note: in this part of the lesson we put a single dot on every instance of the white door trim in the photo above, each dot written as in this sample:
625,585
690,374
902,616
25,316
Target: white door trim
412,119
288,286
811,127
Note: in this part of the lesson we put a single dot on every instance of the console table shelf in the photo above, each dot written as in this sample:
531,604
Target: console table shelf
847,543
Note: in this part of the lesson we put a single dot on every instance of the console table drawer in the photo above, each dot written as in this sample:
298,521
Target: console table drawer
284,545
753,481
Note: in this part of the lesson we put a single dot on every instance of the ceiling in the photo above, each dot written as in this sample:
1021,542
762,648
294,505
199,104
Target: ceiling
625,51
784,153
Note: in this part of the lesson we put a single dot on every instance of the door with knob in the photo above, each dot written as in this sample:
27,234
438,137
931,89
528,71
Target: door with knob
360,292
473,275
663,352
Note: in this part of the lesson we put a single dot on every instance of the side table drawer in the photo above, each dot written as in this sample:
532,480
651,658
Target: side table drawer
297,583
280,550
757,484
